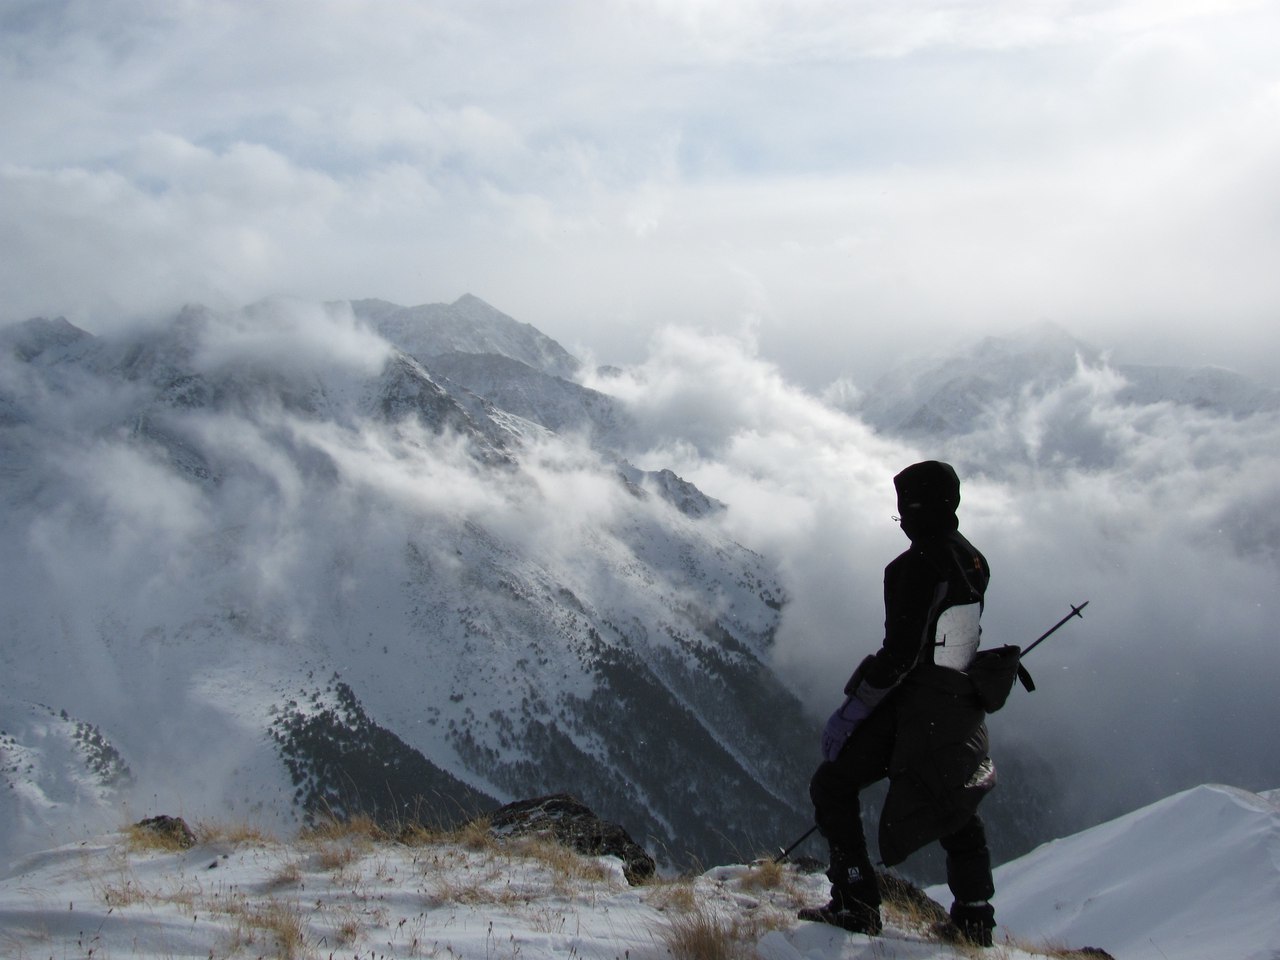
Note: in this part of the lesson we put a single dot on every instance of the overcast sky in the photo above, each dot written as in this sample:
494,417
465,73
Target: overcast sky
841,182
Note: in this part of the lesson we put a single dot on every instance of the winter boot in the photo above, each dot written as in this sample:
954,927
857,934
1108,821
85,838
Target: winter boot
855,896
854,917
971,923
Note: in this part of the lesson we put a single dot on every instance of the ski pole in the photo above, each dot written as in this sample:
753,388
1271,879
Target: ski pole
787,852
1075,612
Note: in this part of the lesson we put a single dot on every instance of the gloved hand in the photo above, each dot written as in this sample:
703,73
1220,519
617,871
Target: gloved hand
841,725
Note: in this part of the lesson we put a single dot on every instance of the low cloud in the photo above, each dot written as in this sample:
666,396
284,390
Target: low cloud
1162,516
184,561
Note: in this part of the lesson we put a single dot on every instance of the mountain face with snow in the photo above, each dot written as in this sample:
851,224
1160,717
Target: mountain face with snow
252,568
466,326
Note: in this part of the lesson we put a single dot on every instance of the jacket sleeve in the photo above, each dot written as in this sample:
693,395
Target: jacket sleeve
914,591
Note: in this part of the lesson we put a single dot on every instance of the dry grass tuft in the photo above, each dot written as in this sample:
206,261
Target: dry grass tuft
238,834
474,835
701,935
283,922
337,844
170,837
567,866
336,857
127,891
477,890
766,875
678,895
348,931
359,827
418,835
289,875
123,894
909,907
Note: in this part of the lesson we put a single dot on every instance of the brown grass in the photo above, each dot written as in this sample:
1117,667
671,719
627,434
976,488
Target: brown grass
418,835
567,866
120,888
701,935
282,922
238,834
336,857
125,893
480,890
766,875
140,838
474,835
677,895
289,875
360,827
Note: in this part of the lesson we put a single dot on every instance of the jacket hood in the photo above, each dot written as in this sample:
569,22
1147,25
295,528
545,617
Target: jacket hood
928,496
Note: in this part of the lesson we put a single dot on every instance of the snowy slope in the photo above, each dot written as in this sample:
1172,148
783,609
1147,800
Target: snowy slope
350,896
558,404
1195,875
468,325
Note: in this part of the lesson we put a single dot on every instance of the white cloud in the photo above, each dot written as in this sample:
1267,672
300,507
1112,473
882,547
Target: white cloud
1162,516
844,170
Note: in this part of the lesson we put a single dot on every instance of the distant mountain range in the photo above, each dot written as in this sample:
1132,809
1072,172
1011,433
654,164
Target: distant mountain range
960,392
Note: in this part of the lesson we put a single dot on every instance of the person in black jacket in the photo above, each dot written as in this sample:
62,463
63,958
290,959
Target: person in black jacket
914,715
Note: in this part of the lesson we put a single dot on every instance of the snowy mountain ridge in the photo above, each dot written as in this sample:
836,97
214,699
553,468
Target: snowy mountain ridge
466,326
336,583
1194,875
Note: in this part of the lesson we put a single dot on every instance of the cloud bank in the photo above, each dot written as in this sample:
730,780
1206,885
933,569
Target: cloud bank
1163,516
859,180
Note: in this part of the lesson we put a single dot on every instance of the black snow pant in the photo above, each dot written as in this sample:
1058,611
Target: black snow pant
834,790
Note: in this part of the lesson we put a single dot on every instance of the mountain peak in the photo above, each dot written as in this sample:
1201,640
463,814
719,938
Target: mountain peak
471,301
30,338
468,325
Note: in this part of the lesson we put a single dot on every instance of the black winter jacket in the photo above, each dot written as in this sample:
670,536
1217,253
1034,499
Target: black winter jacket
939,769
934,574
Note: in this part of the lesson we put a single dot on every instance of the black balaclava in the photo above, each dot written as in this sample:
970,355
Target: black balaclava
928,495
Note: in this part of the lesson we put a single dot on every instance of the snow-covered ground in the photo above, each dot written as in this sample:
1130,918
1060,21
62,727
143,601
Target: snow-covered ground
350,897
1196,875
1193,876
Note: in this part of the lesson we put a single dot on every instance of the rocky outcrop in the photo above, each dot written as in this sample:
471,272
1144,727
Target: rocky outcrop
171,832
571,822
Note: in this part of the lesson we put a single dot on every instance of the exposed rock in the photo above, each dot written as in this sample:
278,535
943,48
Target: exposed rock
911,898
573,823
171,831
